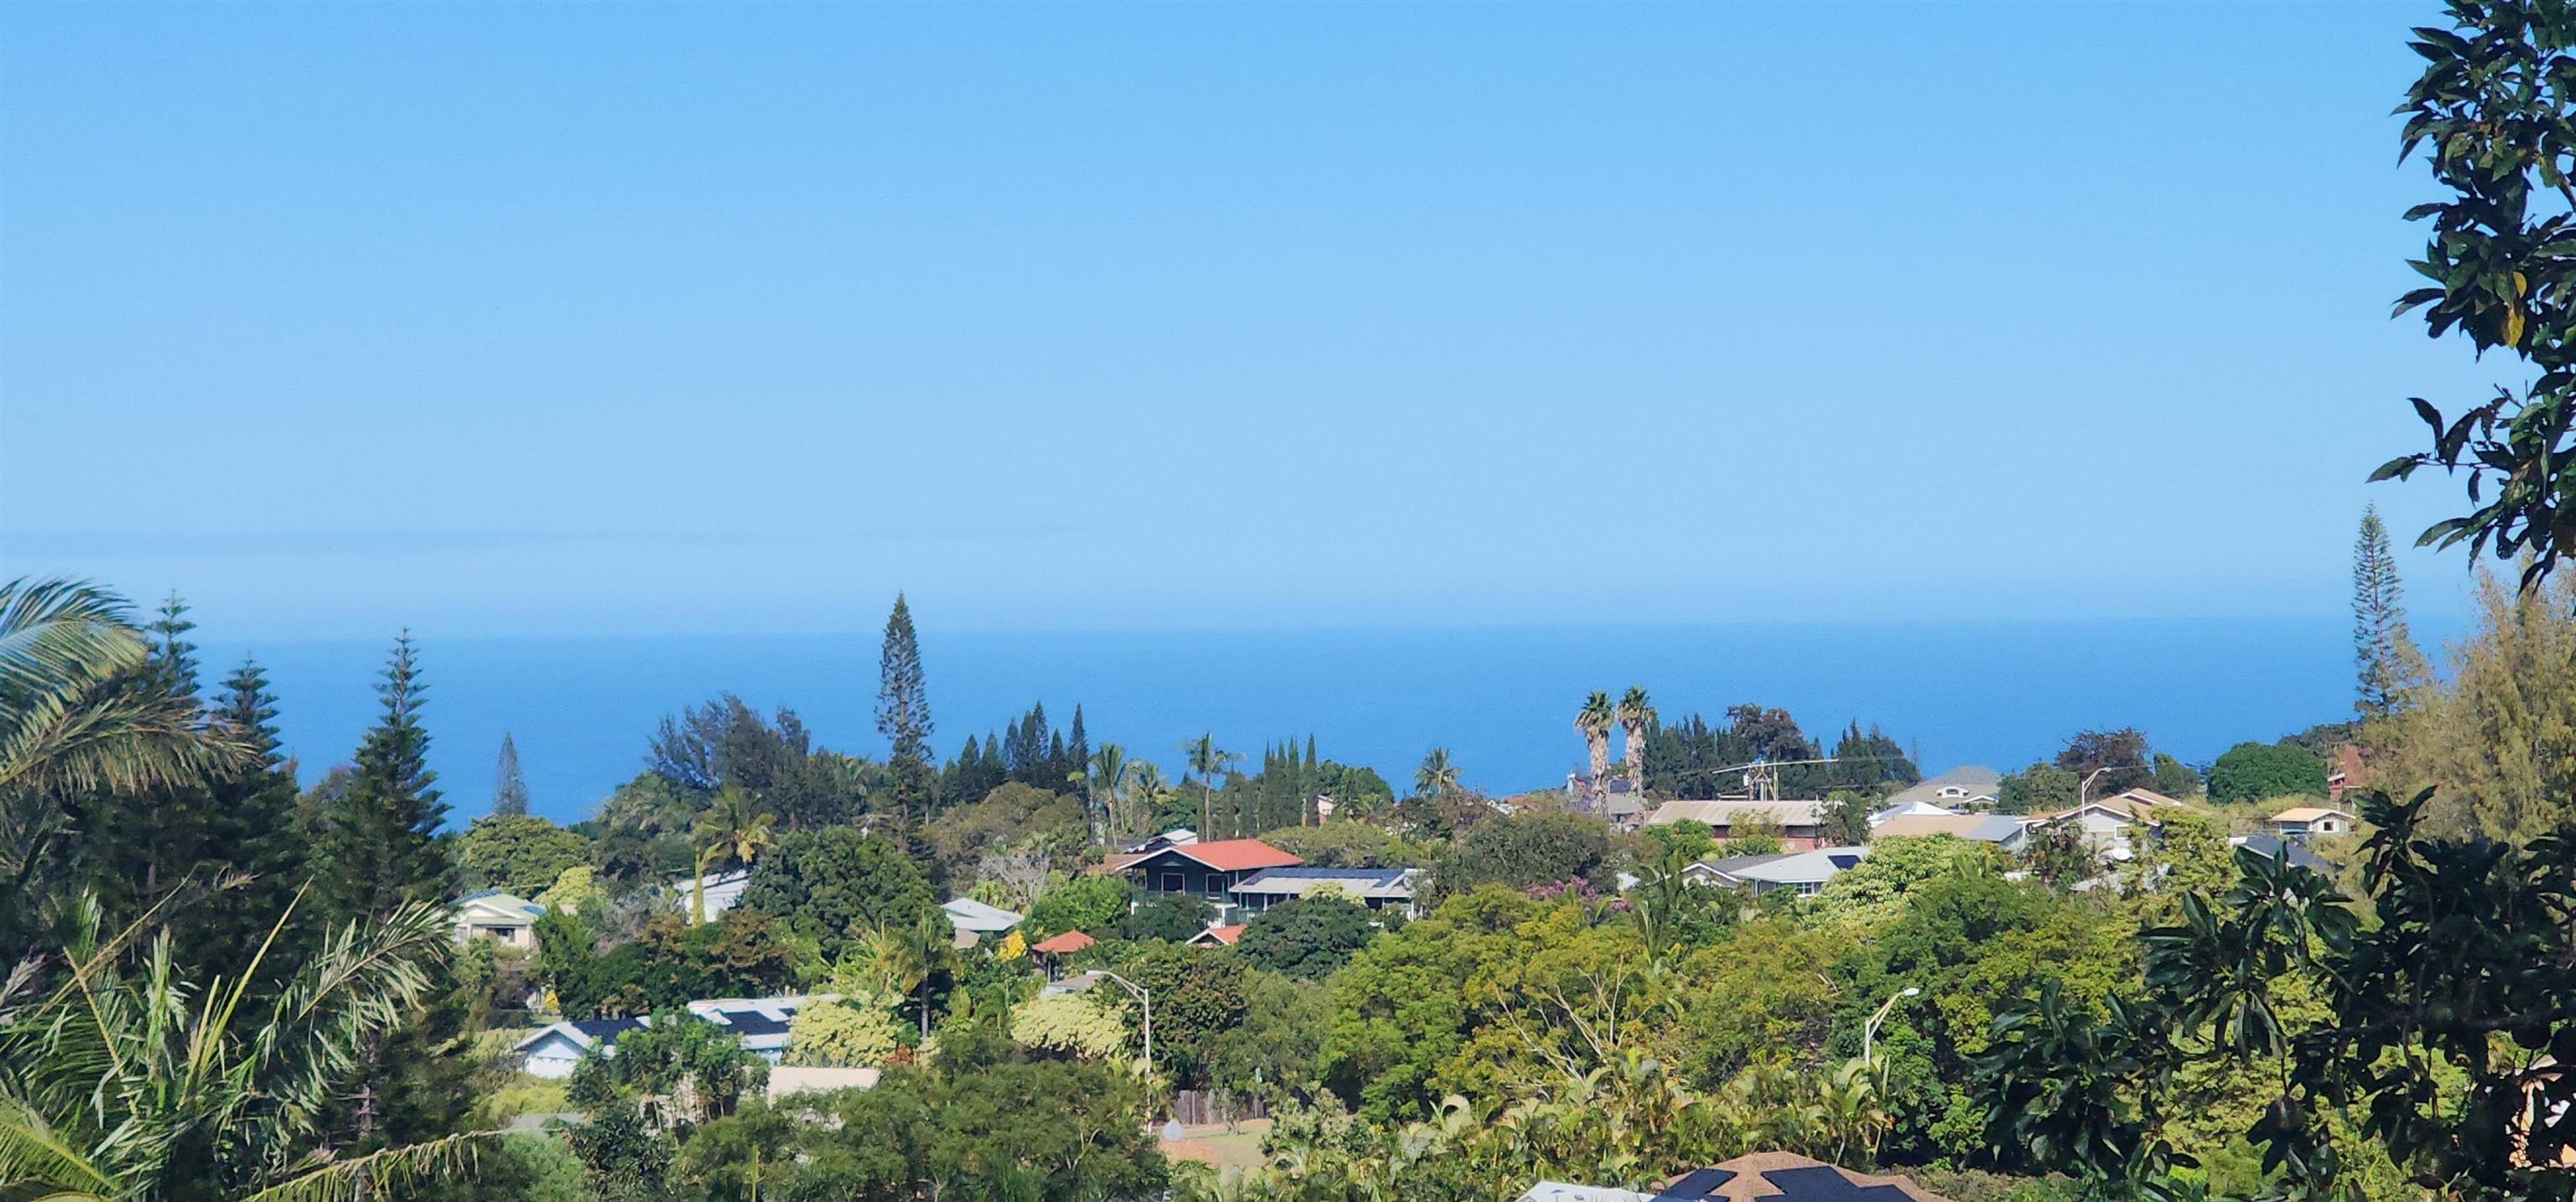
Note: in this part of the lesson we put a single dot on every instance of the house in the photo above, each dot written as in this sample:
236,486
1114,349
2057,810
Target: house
1225,936
2110,824
1802,872
1798,821
1782,1177
2302,823
1054,948
557,1047
2277,848
1179,836
492,914
1968,787
2003,830
1910,809
1558,1191
1205,869
975,920
761,1022
724,890
1376,888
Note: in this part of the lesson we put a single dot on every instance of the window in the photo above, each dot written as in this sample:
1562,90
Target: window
1807,888
1174,882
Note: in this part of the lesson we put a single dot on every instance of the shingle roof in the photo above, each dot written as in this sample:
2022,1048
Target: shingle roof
1363,882
2307,814
1791,1178
1984,828
972,915
1974,780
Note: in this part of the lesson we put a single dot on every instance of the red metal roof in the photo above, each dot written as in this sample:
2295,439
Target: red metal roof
1070,941
1232,855
1225,935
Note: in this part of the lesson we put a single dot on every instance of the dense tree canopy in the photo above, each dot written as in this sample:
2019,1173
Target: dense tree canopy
2253,771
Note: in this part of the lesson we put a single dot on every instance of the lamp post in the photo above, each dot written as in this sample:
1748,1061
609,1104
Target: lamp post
1869,1030
1147,997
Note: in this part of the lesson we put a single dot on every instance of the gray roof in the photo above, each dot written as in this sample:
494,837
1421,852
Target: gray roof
1717,813
2270,845
969,914
1973,780
1358,882
1790,867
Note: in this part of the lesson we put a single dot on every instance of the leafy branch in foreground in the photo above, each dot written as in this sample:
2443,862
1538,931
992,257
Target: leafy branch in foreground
120,1079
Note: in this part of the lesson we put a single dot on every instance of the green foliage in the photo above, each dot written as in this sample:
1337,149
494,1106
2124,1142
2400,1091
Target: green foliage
2496,121
380,838
2253,771
1174,917
2174,778
1751,835
1524,850
672,963
1344,844
1086,903
509,787
2039,789
1308,937
2119,757
1072,1024
575,889
1197,997
836,882
854,1031
1875,890
517,853
1845,819
1690,840
1012,816
2387,668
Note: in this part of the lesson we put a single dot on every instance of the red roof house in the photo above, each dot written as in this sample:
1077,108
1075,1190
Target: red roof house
1206,870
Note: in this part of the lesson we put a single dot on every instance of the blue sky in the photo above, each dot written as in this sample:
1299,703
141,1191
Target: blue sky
728,320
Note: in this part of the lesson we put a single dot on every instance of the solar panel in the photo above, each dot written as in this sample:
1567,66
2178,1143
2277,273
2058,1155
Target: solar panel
1827,1184
1698,1183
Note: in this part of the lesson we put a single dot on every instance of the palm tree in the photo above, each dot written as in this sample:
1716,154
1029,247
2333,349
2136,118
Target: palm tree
1208,761
72,724
128,1082
732,830
1103,780
1437,777
1149,791
902,961
1594,720
1636,713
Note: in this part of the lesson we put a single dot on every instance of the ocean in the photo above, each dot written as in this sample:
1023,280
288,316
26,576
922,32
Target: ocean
1502,700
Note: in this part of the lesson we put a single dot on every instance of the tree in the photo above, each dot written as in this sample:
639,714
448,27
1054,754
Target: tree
2119,757
73,726
1208,762
1524,850
2042,788
1308,937
253,827
2499,737
836,882
2254,771
124,1079
381,838
1086,903
732,830
2437,1013
1105,781
1438,775
509,789
1637,715
2387,667
1845,819
1172,917
2499,133
903,717
1593,723
1069,1023
521,854
2173,778
845,1032
1197,997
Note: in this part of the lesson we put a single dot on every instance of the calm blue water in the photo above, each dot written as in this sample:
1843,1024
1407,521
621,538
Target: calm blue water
1501,699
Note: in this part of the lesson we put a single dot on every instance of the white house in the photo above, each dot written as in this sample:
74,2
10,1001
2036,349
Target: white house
1376,888
493,914
557,1047
761,1022
1802,872
724,890
2110,825
975,920
2302,823
1968,787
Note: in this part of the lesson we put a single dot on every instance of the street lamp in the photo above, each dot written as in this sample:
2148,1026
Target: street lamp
1869,1030
1147,997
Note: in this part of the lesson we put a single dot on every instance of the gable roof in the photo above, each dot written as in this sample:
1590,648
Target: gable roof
2309,814
1972,780
1788,867
969,914
2274,847
498,904
1725,813
1363,883
584,1034
1225,936
1222,855
1984,828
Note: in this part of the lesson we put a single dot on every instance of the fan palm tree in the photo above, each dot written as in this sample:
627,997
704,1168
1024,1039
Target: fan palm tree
1636,713
1594,721
1103,780
732,830
1437,777
1208,761
75,722
127,1082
